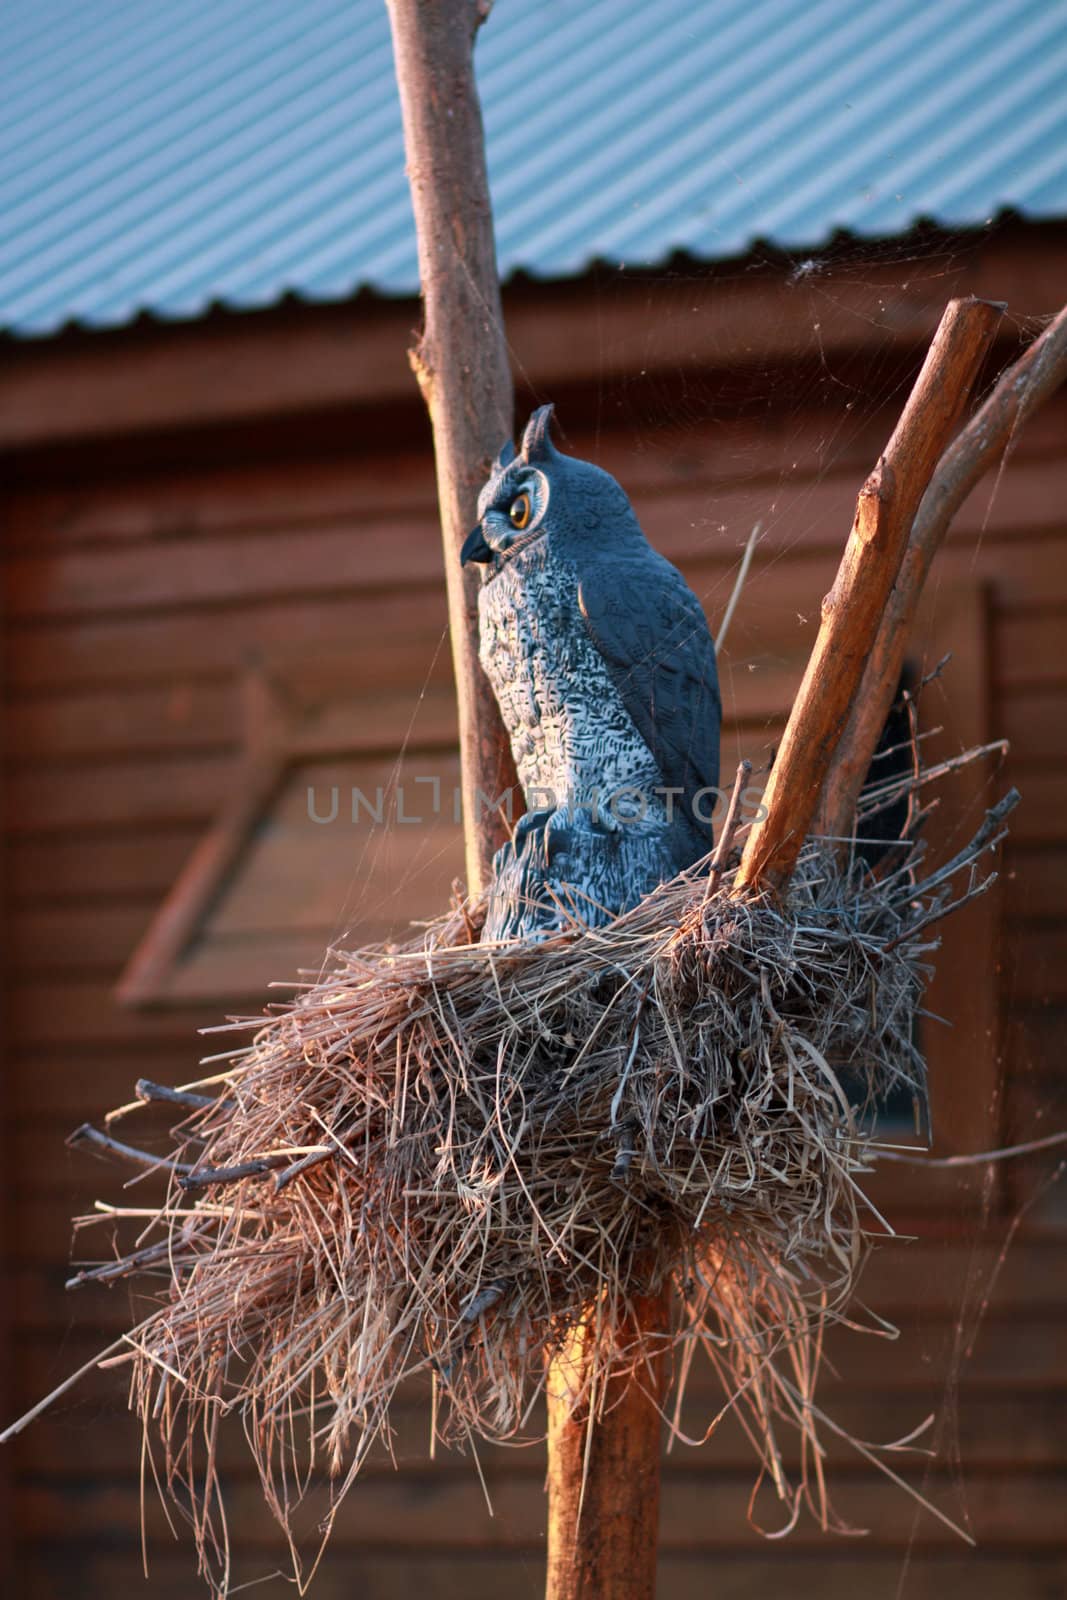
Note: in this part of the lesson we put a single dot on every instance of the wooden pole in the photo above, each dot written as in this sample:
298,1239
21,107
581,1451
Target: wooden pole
604,1473
852,611
1018,392
461,365
460,359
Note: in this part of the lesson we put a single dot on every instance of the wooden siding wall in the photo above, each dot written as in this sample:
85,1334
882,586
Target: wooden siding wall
134,610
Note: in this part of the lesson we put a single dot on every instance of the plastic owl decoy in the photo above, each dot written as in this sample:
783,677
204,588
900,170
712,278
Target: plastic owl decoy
602,664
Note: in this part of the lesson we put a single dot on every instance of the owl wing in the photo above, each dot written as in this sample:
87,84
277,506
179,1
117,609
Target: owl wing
649,628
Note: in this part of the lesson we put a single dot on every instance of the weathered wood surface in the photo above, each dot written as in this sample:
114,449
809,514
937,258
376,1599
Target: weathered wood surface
705,1512
487,1576
308,359
706,522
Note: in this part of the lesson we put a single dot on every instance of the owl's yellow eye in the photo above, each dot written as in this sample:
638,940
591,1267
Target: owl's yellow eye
519,511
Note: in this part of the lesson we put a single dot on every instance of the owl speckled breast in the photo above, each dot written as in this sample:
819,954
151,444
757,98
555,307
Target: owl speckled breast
571,735
604,670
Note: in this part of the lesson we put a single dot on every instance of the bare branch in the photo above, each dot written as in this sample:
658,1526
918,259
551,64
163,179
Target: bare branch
729,828
146,1090
979,445
313,1158
87,1134
259,1168
984,839
739,584
852,611
136,1261
461,361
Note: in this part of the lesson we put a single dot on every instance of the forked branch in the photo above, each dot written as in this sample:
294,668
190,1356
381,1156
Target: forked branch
1022,387
852,611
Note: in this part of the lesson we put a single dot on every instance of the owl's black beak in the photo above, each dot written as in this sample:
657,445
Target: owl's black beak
475,548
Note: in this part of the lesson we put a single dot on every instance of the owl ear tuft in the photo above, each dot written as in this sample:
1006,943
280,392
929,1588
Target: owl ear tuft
536,441
505,458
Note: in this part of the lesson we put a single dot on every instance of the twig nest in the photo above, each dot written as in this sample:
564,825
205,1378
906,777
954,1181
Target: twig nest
452,1151
441,1159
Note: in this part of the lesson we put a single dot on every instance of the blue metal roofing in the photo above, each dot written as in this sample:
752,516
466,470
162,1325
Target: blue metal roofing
165,156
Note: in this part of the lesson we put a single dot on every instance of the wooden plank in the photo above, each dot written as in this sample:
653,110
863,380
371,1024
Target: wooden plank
1012,1353
378,718
170,503
85,1017
843,1576
962,1064
7,1473
1035,962
178,789
77,939
168,791
1035,720
80,1085
296,361
999,1433
700,1512
929,1276
1042,817
212,570
1035,1040
385,634
95,866
1035,882
393,636
140,505
51,1237
216,569
187,715
122,725
835,1572
1029,650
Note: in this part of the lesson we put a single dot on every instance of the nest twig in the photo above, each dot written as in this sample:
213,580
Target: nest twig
438,1157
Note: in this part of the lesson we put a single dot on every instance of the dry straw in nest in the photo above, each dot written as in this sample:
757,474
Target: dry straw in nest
437,1158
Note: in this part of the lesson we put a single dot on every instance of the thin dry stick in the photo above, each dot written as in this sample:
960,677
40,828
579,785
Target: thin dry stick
87,1134
852,611
258,1167
148,1091
461,359
739,584
721,854
60,1389
1021,388
1032,1147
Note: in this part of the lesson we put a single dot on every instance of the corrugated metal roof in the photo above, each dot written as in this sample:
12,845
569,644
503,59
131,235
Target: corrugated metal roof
169,156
